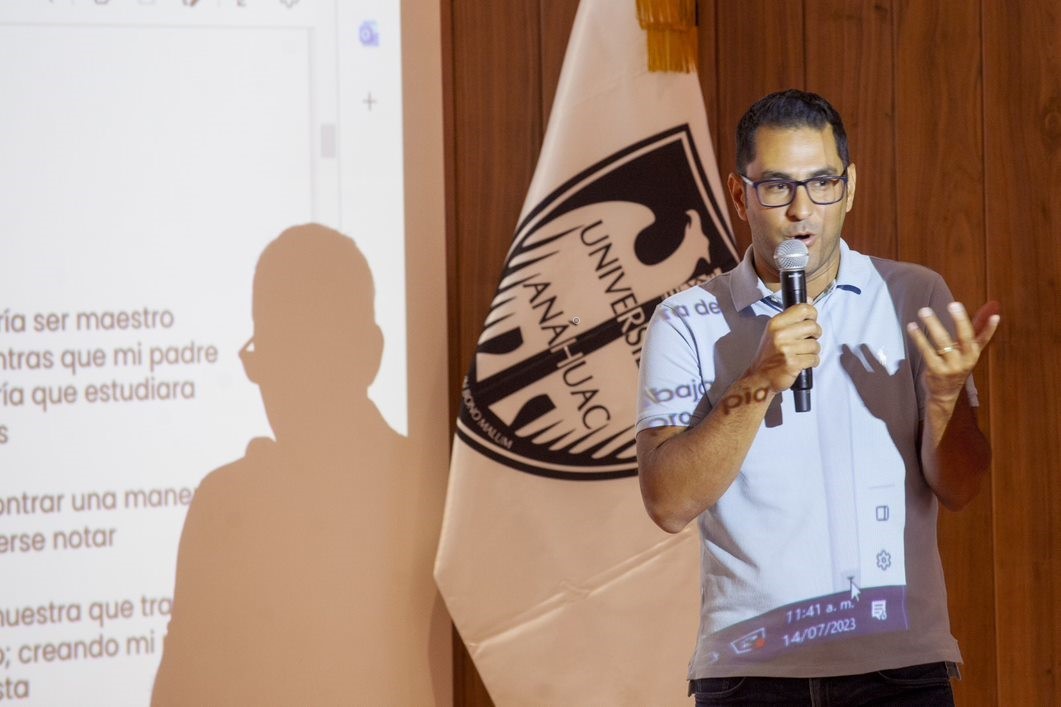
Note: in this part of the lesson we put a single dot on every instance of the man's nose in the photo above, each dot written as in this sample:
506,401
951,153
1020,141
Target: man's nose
801,205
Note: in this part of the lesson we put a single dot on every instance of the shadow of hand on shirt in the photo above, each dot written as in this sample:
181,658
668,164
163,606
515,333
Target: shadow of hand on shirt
878,389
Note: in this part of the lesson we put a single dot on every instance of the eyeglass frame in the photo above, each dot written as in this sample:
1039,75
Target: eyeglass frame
796,184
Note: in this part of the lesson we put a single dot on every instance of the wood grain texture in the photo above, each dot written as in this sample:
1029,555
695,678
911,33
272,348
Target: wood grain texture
760,50
497,132
453,268
850,63
940,197
468,688
557,17
1022,109
707,70
939,161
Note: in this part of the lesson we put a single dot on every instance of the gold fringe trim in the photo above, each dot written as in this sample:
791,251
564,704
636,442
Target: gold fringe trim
672,36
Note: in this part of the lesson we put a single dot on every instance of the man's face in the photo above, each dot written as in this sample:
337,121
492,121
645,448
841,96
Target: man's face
794,153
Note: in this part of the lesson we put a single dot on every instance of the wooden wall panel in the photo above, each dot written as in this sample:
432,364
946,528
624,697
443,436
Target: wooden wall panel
953,119
557,17
939,142
760,49
707,70
850,63
1022,109
497,130
940,196
453,278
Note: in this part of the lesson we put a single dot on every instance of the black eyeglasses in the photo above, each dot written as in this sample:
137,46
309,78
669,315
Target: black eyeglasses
823,190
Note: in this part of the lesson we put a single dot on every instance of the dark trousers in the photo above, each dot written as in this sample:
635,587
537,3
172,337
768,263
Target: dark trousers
927,684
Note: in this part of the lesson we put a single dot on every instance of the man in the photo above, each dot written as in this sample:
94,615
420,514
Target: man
821,578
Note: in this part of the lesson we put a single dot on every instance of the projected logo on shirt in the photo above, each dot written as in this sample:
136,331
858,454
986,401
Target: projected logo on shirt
552,387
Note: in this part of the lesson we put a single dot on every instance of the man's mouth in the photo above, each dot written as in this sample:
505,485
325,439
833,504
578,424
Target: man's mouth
806,238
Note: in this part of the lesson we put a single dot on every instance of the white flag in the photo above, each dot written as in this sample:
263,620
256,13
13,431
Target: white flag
562,588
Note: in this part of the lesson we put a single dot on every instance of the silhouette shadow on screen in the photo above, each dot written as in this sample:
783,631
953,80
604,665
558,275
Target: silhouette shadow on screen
284,588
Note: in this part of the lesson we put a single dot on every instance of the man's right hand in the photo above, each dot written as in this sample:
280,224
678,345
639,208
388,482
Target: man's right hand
789,344
685,470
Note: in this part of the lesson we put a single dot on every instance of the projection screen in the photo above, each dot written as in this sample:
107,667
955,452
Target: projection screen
150,151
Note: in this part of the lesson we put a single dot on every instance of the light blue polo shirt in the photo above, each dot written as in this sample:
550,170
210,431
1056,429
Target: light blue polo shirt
821,557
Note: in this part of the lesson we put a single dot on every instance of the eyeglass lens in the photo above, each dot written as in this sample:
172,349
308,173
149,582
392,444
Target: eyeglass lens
781,192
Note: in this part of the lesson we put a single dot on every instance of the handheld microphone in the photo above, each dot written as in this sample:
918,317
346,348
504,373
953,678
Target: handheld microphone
791,257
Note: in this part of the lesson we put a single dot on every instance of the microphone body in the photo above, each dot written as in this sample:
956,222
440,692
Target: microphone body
791,259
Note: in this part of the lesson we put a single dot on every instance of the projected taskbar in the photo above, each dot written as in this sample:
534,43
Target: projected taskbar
858,612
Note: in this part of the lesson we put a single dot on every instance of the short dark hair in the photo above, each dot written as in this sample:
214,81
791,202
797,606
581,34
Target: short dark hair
788,109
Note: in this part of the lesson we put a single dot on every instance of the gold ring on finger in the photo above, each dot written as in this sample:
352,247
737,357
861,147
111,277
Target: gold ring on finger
945,349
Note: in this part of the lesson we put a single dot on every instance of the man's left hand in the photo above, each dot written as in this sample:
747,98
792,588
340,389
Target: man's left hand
948,363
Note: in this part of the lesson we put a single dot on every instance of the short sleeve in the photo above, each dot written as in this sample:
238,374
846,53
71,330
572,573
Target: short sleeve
671,384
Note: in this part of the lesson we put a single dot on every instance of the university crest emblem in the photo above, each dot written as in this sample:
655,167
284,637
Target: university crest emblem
552,388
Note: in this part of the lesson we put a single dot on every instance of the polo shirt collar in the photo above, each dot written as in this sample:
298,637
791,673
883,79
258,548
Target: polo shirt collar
746,288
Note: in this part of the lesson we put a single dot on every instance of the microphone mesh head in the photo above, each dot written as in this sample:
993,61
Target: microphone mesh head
790,255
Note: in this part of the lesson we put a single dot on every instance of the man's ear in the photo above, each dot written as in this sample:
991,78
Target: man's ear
738,194
849,201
